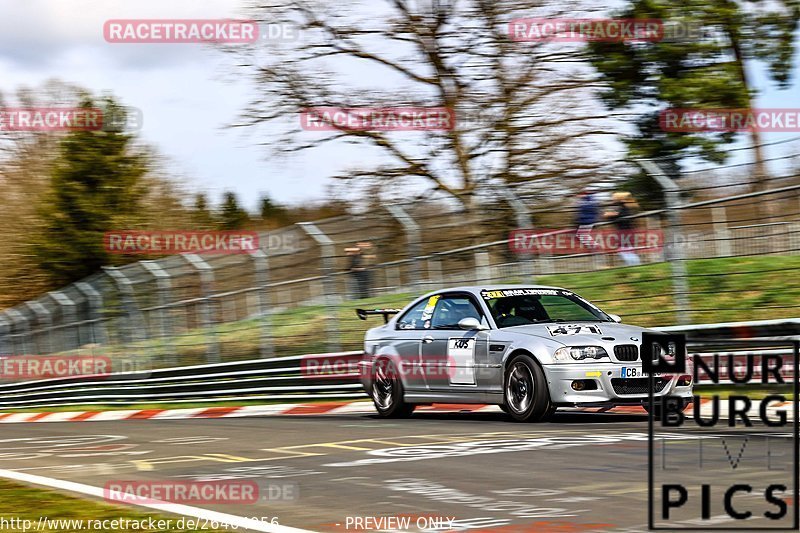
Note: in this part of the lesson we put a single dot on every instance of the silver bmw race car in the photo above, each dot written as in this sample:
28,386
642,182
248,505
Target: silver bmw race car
529,349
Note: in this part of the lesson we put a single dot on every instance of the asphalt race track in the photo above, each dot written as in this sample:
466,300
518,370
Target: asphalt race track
580,472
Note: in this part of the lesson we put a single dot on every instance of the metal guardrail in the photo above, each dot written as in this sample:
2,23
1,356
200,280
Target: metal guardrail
313,376
305,377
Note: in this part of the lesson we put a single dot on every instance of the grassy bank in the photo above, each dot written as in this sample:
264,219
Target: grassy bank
720,290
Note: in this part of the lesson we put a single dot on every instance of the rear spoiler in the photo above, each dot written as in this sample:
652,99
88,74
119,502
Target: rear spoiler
364,313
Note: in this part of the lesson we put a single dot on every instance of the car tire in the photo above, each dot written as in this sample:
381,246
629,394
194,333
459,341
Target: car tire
387,391
527,398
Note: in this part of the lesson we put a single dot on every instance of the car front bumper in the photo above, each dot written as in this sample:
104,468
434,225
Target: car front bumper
610,385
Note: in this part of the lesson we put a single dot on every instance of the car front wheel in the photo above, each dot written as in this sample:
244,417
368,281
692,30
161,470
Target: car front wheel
527,398
387,391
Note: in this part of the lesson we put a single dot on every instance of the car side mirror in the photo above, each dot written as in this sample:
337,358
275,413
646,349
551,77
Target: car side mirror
471,323
615,318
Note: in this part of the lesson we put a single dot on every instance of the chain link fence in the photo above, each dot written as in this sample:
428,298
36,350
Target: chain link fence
297,293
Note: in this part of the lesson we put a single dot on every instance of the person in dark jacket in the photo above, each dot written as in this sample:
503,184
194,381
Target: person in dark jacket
622,207
587,209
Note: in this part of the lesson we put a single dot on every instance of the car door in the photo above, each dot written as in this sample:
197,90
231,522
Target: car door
450,356
407,338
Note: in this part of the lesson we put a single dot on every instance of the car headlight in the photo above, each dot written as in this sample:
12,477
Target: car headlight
579,353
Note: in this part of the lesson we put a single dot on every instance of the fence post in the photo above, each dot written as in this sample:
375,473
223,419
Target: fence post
523,221
45,320
24,329
69,316
94,301
165,330
435,270
207,314
412,231
328,252
261,266
5,332
674,250
722,237
483,271
134,323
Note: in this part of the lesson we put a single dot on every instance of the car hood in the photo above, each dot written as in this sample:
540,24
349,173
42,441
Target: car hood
583,333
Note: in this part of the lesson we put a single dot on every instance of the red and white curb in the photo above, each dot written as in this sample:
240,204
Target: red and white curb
294,409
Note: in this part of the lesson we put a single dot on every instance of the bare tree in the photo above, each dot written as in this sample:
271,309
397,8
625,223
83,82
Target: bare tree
524,110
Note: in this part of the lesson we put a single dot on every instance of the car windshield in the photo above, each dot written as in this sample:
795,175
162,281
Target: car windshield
518,307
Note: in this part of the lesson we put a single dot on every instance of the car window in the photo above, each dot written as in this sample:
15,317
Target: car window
450,310
559,308
419,316
518,307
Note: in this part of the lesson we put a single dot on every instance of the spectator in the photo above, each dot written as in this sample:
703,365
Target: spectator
623,206
586,217
362,260
587,209
355,268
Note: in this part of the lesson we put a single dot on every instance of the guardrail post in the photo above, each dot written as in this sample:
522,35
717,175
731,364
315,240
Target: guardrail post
94,301
165,330
722,237
263,310
413,238
673,251
134,323
18,319
69,317
45,320
207,313
328,252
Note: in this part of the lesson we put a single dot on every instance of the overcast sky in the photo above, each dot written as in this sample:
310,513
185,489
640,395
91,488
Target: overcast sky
187,92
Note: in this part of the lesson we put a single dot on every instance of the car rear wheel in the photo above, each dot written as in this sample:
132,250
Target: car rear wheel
527,398
387,391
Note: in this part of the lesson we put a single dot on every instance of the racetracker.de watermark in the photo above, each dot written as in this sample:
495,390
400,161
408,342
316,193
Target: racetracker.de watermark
180,242
562,30
65,119
189,31
377,119
35,367
732,120
532,241
243,492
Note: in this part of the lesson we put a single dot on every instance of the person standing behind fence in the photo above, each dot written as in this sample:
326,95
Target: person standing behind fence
368,257
355,268
622,207
586,217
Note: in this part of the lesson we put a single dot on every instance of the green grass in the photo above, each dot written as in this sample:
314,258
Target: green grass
27,503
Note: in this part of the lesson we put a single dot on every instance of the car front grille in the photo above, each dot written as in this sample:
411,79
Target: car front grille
626,352
637,385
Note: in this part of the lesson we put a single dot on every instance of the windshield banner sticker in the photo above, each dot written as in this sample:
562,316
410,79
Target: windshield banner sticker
573,329
489,295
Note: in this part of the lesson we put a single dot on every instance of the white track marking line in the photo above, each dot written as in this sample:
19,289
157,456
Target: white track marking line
172,508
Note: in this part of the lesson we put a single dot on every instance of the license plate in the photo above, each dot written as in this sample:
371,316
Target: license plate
634,372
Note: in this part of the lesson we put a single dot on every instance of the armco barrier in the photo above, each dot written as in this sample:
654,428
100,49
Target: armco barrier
305,377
